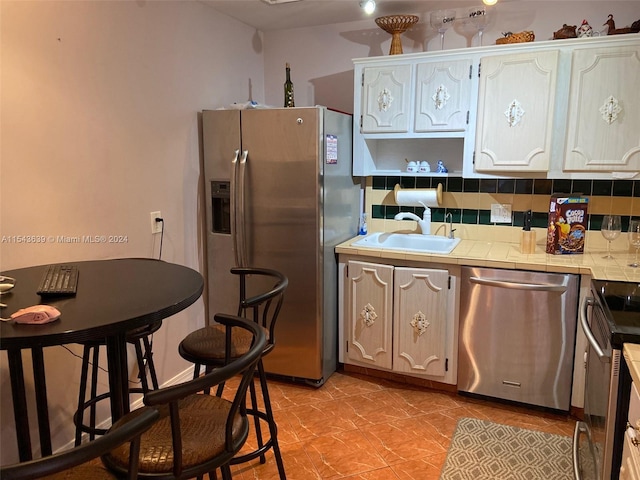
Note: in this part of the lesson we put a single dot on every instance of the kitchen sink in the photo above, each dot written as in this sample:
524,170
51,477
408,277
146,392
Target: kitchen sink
412,242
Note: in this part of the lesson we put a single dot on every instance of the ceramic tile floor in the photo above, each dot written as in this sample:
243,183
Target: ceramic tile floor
357,427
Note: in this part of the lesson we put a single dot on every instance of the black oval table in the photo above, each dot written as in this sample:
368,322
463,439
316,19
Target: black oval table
112,297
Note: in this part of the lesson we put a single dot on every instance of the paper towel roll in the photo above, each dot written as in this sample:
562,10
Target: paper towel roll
412,197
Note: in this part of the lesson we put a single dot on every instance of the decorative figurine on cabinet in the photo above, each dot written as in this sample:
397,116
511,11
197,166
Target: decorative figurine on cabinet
584,30
441,168
567,31
612,30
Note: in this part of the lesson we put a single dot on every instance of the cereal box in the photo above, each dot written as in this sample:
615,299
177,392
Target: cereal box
567,224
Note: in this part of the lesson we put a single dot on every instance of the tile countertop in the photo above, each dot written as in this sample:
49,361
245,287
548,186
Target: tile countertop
631,352
507,255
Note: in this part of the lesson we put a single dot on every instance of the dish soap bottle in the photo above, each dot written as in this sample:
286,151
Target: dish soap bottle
362,230
288,89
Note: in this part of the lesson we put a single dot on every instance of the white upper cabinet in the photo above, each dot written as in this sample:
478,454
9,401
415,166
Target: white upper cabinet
408,107
386,99
603,131
550,109
442,96
515,112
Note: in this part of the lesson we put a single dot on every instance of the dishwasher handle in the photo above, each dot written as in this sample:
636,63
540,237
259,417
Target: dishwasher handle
532,287
584,323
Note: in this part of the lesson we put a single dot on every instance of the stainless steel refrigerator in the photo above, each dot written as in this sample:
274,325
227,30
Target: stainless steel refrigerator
280,195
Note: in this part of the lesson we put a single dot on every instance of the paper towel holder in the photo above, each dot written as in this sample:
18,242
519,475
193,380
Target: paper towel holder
432,197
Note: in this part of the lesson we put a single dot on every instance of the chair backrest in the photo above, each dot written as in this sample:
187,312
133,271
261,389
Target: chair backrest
66,460
261,297
244,365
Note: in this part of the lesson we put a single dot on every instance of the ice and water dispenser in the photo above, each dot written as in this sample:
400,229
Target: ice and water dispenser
220,207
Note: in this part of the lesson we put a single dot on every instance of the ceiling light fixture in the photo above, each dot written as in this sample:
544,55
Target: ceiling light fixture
277,2
489,2
369,6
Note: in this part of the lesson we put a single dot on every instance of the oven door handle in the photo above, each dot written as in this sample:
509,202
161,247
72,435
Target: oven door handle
581,428
584,322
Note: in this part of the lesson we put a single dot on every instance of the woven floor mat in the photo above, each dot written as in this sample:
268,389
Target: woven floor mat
483,450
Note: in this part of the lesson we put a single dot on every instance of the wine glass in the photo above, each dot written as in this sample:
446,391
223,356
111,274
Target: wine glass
480,18
441,20
465,28
634,240
611,229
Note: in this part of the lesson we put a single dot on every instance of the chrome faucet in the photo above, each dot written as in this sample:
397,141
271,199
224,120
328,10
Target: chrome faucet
451,229
424,223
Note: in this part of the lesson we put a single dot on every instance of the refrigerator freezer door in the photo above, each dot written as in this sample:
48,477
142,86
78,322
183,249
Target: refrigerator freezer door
221,139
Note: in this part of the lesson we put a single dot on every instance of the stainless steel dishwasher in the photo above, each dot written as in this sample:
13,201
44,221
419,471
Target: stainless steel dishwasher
517,335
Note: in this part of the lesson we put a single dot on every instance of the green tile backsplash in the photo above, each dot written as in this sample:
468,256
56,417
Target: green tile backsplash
591,188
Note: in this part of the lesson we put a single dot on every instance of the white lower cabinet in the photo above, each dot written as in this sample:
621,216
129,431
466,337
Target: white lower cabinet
370,312
401,319
630,467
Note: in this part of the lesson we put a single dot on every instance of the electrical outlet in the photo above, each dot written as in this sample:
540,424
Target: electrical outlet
500,213
156,227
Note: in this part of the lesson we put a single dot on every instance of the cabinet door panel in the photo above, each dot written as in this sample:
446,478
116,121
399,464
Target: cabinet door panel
386,99
442,96
604,110
370,314
420,316
515,112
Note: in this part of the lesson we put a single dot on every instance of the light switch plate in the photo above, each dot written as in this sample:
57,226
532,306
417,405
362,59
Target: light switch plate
500,213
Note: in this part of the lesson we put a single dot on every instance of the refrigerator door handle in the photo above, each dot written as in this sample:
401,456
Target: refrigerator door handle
233,205
241,237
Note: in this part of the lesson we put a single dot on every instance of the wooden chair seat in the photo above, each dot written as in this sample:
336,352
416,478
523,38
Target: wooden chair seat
209,343
202,425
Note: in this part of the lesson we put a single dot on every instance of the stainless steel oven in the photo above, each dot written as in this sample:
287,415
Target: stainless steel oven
609,317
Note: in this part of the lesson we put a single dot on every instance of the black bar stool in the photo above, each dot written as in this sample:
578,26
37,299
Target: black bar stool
208,346
91,354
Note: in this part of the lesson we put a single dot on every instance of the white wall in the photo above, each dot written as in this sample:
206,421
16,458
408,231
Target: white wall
320,57
99,108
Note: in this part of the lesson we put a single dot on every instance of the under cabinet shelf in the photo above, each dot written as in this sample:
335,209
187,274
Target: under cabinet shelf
398,173
389,156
